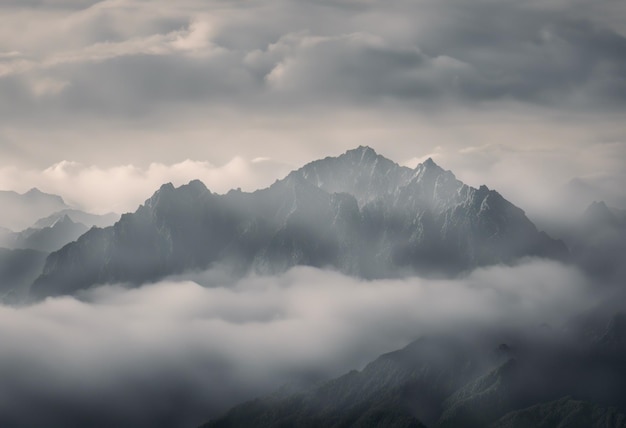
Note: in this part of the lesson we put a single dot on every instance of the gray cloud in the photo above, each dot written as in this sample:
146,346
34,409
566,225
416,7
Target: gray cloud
174,353
532,89
107,60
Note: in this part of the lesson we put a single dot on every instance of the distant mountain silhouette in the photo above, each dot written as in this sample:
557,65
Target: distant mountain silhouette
50,238
20,211
78,216
597,241
359,213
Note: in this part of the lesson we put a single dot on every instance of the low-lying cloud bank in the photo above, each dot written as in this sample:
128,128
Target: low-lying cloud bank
176,352
123,188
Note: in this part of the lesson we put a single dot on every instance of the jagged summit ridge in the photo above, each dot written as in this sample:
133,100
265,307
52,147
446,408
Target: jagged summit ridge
66,219
366,175
371,178
363,152
359,213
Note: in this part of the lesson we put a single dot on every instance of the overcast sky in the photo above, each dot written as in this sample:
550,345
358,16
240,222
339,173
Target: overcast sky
101,101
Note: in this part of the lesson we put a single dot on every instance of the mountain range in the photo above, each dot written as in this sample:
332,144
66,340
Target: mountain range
77,216
20,211
49,238
32,225
358,213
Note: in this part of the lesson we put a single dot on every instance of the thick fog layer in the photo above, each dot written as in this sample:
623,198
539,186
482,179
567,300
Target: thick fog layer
177,352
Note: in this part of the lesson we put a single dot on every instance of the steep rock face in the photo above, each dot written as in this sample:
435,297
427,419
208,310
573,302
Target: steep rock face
359,213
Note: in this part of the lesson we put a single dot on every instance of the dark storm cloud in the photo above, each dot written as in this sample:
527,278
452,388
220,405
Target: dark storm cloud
174,353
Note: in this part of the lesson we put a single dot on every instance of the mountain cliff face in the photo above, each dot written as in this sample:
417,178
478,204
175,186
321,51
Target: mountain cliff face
359,213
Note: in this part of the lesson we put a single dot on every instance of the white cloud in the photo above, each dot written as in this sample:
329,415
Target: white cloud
217,344
195,39
122,188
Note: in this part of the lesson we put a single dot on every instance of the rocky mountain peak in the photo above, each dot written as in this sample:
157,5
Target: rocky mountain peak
197,185
360,172
363,153
168,195
599,216
37,194
598,210
428,163
366,157
65,220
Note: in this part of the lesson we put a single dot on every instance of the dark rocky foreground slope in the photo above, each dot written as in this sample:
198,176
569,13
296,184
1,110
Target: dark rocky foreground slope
359,213
540,380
